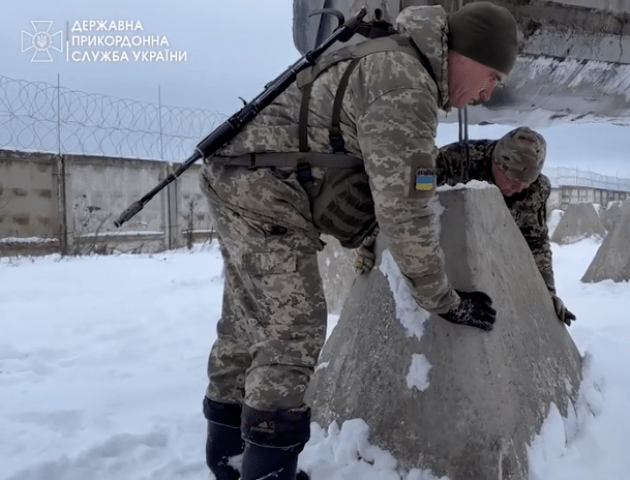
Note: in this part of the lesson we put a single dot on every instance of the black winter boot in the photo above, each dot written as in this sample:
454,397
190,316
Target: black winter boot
273,441
224,438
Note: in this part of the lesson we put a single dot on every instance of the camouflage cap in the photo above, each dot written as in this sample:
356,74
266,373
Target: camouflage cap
485,33
521,154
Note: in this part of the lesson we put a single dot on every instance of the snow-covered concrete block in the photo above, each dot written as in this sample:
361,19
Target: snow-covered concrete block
612,260
459,401
580,221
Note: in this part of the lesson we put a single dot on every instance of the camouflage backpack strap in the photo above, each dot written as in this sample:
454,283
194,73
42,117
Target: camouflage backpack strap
356,53
334,133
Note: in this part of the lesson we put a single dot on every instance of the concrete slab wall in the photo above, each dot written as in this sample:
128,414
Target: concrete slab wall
29,195
562,197
617,6
73,200
570,195
191,221
98,189
573,61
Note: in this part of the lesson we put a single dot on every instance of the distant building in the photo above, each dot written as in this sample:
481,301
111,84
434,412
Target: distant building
572,185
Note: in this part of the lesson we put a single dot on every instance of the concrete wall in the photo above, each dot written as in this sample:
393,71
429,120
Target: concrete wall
561,198
573,62
191,221
617,6
68,203
28,195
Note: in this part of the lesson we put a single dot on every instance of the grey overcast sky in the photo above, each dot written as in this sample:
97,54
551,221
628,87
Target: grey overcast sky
232,49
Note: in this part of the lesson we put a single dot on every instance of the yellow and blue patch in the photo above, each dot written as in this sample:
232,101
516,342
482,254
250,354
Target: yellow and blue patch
425,181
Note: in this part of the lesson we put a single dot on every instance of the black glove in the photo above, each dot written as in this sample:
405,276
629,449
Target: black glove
475,310
364,255
563,314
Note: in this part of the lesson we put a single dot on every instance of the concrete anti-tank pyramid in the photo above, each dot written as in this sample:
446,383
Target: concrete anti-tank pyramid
610,214
453,399
579,221
612,260
335,266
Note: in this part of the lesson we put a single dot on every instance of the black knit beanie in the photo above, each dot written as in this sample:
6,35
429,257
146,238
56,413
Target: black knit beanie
486,33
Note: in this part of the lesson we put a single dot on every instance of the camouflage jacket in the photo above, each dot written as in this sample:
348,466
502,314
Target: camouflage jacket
389,119
528,207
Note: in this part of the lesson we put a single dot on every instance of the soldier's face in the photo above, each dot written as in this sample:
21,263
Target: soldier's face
507,185
470,82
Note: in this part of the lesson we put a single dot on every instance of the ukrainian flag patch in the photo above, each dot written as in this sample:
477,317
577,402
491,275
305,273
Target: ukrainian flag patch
425,180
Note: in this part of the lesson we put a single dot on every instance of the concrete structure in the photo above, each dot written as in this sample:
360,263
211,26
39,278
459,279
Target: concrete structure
29,199
563,196
573,61
453,399
68,203
335,267
612,260
580,220
611,213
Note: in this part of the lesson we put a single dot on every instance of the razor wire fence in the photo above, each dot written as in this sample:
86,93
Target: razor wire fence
574,177
38,116
42,117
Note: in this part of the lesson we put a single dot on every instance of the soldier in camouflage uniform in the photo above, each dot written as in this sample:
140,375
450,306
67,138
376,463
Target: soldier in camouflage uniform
269,216
514,164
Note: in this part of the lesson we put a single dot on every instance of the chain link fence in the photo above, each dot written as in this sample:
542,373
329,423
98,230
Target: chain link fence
574,177
38,116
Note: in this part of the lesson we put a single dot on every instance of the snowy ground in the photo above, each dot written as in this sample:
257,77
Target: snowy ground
102,373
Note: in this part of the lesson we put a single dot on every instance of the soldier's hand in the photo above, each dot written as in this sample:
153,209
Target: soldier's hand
561,311
475,310
364,256
363,259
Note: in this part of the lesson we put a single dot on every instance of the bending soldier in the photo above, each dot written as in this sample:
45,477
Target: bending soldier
514,164
349,144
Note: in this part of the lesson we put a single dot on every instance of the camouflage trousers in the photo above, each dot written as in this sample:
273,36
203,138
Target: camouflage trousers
273,320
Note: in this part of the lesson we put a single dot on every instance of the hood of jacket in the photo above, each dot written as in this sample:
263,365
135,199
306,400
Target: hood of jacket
427,26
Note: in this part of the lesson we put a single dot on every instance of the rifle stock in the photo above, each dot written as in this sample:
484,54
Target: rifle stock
233,125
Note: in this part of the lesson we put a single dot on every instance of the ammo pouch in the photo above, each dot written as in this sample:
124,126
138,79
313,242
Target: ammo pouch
342,205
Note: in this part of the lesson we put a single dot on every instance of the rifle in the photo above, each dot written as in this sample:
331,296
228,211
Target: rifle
233,125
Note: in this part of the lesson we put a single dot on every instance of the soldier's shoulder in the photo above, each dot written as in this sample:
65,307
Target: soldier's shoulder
481,148
543,183
473,145
411,72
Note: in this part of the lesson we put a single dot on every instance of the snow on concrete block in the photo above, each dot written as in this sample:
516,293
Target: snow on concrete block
579,221
459,401
336,269
553,219
610,214
612,260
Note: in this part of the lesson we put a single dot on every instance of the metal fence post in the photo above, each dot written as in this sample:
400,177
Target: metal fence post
62,181
63,205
